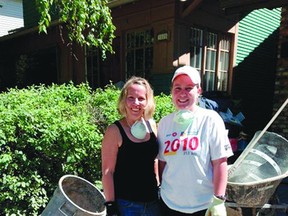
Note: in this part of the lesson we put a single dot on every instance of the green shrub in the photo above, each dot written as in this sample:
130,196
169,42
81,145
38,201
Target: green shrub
47,132
164,106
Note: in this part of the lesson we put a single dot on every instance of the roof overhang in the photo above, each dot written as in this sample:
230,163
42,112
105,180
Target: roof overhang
116,3
191,7
243,6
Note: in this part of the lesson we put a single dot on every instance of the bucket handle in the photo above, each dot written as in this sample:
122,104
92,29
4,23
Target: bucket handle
65,209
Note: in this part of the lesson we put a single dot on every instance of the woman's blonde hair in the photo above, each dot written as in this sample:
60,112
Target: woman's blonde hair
150,107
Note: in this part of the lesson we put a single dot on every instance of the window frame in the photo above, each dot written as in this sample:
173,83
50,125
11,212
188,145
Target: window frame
218,48
139,44
92,66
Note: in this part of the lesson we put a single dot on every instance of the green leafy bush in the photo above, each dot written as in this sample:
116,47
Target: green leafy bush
164,106
47,132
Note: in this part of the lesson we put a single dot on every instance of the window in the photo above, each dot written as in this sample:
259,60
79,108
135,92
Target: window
139,53
210,54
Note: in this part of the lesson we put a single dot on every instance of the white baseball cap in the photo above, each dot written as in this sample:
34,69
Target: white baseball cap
189,71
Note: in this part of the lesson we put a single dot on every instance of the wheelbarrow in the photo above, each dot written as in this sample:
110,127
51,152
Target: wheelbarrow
260,172
256,174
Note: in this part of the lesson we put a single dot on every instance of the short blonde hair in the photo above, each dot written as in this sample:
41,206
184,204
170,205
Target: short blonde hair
150,107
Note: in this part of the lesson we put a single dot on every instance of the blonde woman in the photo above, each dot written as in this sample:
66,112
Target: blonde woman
129,149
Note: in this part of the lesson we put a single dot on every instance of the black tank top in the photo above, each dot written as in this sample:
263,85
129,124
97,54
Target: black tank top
134,177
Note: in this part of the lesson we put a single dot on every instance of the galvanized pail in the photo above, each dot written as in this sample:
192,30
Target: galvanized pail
75,196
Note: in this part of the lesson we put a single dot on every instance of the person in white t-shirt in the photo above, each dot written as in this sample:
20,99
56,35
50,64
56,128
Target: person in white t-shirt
193,152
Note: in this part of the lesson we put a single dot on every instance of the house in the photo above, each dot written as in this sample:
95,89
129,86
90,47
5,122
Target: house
234,44
11,16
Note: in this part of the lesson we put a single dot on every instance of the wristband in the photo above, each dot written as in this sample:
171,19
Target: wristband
222,197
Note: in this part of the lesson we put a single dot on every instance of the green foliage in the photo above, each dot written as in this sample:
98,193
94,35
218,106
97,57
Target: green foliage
106,102
164,106
47,132
89,22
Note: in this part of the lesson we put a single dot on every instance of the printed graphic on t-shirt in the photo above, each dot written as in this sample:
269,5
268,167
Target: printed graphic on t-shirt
185,144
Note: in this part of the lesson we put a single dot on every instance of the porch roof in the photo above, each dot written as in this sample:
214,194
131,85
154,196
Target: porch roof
237,6
229,6
115,3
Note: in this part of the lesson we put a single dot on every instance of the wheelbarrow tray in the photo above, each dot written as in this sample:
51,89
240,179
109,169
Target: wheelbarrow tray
253,194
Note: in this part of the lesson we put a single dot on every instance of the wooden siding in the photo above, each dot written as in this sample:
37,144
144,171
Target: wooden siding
11,16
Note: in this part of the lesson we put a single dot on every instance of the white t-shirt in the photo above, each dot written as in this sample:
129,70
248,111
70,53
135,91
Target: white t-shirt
187,178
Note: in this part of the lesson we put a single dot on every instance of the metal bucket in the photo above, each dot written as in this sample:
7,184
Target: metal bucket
75,196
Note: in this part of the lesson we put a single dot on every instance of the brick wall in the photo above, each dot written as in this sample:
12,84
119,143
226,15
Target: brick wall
280,125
